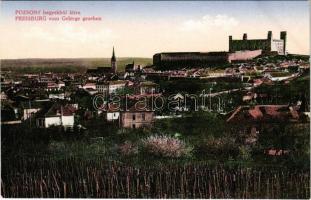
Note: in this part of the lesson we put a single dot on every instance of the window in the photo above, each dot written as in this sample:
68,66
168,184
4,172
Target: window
143,116
134,117
133,126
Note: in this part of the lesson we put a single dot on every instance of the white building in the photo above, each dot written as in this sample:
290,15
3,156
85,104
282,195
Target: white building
29,112
89,85
102,87
115,85
57,115
57,96
60,84
113,112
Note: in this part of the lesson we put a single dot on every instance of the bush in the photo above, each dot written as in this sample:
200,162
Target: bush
244,153
223,146
165,146
127,149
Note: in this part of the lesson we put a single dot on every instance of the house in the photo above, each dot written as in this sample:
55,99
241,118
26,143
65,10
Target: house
249,96
113,86
112,112
257,82
52,86
102,87
60,84
30,108
89,85
276,152
56,115
57,96
44,79
248,119
264,113
3,96
137,116
91,91
147,87
110,87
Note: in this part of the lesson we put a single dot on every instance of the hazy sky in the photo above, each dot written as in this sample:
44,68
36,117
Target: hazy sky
142,29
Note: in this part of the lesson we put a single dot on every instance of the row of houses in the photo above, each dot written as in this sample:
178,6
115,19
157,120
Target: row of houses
57,114
111,87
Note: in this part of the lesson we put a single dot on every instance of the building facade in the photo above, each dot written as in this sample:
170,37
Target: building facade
56,115
137,119
201,59
189,59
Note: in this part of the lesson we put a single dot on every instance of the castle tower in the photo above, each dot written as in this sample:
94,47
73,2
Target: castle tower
113,62
269,35
283,37
230,43
244,36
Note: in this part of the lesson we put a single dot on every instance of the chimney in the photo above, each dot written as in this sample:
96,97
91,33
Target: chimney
283,37
244,36
269,35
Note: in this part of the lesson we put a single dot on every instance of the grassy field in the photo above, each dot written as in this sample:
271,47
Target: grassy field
66,64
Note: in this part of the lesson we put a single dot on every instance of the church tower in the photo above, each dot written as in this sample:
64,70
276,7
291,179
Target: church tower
113,62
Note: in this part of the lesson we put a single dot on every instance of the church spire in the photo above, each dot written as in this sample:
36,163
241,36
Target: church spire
113,62
113,58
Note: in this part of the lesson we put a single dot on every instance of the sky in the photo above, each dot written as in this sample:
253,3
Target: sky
141,29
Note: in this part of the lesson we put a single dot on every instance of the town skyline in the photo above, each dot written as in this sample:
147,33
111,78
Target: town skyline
136,30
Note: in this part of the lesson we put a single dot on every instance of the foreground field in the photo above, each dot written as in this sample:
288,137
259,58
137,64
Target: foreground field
100,179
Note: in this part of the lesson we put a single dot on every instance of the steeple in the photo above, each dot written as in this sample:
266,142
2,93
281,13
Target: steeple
113,58
113,62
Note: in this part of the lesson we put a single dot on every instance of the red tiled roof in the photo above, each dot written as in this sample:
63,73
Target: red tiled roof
255,112
139,107
52,84
89,84
258,81
276,152
272,110
263,112
57,109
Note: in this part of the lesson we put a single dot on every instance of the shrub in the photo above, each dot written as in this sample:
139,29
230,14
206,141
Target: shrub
244,153
127,149
223,146
165,146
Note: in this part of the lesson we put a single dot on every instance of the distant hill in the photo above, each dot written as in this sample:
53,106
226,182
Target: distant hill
66,64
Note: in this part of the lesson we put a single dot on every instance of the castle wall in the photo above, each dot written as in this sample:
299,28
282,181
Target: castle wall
244,55
189,59
240,45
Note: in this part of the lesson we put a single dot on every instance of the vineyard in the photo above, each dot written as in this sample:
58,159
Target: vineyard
76,178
